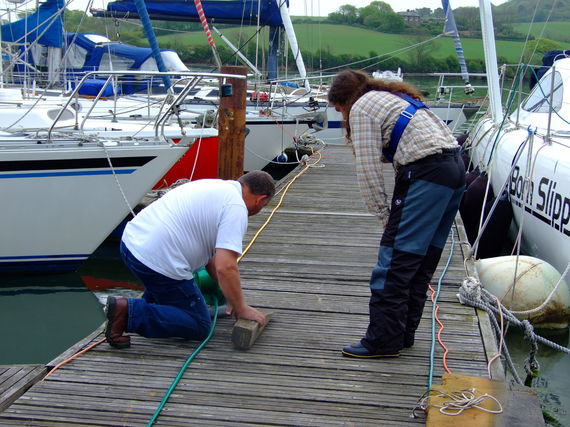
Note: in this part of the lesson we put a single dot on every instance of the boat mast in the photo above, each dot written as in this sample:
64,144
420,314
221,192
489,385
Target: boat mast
288,25
206,28
450,28
491,60
145,20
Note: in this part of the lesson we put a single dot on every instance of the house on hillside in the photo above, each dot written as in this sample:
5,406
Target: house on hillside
410,17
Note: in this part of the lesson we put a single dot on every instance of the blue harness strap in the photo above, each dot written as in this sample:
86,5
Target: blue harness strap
401,124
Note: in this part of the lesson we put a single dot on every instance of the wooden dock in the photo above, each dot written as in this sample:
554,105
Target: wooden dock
311,266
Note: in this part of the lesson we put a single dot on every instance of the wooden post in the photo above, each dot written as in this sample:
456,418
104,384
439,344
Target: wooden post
232,126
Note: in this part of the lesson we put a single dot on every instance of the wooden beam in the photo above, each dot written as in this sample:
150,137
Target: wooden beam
232,125
246,332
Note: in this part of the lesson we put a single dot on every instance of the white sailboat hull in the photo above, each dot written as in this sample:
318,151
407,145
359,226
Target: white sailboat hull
60,201
542,205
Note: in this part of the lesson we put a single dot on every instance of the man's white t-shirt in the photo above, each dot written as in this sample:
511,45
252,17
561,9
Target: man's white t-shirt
178,234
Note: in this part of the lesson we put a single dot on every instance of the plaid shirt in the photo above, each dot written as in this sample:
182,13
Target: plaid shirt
372,119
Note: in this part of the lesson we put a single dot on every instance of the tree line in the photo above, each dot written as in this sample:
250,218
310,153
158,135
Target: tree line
379,16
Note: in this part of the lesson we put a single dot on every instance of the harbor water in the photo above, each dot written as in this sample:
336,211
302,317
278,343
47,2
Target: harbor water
43,315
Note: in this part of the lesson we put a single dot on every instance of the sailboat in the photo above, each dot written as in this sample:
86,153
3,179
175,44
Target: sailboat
64,192
526,156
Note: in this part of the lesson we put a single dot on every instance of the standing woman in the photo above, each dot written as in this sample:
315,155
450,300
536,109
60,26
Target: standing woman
386,122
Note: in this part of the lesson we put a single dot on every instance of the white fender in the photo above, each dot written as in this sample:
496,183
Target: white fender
535,281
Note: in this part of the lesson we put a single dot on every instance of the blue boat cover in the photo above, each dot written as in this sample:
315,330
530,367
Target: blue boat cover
44,25
243,12
92,87
134,54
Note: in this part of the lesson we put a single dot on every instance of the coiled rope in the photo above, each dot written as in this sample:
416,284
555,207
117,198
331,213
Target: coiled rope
459,402
473,294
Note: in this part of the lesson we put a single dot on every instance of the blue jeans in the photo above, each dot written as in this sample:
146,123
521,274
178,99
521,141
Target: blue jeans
168,307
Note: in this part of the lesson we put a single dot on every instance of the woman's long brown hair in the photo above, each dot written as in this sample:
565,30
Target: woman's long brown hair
349,85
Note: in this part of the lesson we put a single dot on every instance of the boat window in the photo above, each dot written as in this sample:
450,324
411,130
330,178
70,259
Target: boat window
172,61
539,99
66,115
213,93
149,65
39,55
75,56
97,38
110,62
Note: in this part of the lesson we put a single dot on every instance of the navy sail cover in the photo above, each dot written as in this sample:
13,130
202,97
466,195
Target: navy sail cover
220,11
44,25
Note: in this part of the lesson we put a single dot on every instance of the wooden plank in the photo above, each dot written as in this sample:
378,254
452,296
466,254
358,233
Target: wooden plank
514,405
245,332
15,380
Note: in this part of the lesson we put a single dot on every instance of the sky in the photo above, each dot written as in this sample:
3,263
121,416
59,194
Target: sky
324,7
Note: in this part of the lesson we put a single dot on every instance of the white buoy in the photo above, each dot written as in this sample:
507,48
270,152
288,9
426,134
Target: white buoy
534,282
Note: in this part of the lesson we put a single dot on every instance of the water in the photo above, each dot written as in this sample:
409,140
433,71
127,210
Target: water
42,315
553,381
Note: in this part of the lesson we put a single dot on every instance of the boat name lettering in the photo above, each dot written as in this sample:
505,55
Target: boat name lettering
551,207
518,186
553,204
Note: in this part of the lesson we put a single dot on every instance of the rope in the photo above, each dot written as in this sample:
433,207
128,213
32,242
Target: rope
297,142
434,313
305,169
69,359
473,294
117,180
502,337
459,402
439,332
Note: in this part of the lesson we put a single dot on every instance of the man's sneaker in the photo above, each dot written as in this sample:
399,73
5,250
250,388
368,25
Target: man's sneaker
359,351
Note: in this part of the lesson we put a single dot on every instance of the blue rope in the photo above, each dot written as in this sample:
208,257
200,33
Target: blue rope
432,350
183,369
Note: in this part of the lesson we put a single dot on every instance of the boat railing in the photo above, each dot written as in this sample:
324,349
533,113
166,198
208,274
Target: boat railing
192,78
282,96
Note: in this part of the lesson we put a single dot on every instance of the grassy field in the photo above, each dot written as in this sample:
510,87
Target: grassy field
357,41
557,31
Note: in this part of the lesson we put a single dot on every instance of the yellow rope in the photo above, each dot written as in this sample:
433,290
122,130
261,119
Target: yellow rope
309,165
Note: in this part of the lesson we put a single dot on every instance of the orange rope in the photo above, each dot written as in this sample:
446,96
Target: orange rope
439,332
86,349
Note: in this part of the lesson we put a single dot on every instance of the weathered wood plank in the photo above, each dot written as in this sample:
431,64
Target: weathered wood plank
15,380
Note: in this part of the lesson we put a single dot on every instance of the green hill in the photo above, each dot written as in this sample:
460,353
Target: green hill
553,30
341,39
